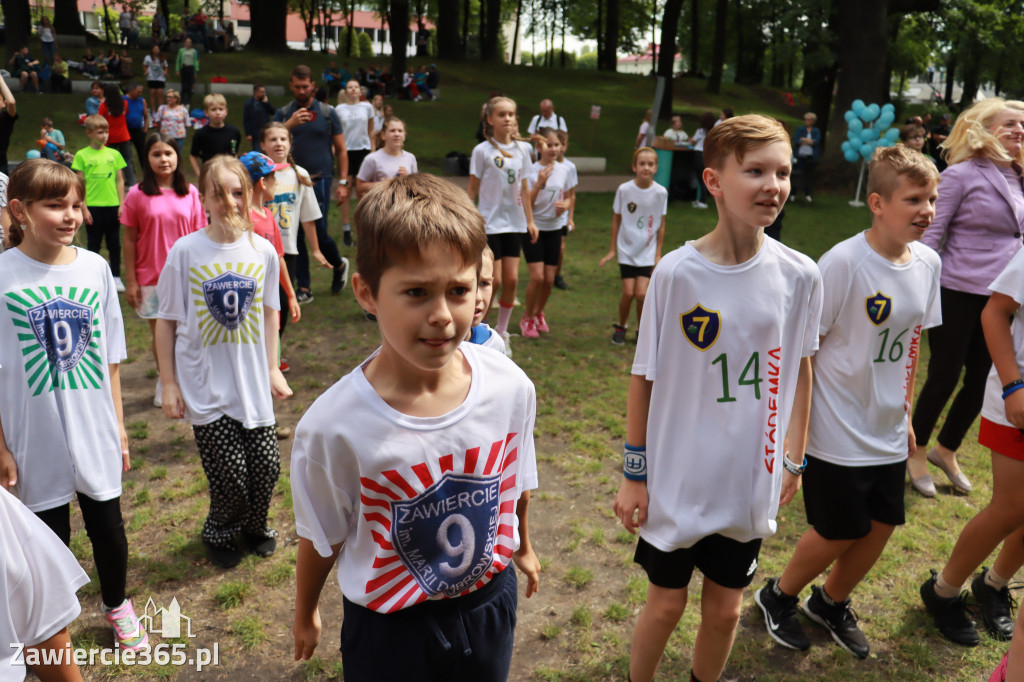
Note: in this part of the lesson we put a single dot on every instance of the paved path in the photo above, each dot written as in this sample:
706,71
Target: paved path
588,183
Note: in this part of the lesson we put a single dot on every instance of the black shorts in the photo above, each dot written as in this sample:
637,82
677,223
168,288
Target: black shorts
634,271
463,639
724,561
842,501
505,244
547,248
355,160
156,85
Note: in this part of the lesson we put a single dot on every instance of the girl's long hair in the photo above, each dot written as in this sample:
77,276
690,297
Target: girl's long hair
211,186
489,129
303,180
37,180
149,185
112,98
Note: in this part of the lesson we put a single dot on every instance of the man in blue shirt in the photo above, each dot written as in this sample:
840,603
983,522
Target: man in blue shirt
137,116
258,111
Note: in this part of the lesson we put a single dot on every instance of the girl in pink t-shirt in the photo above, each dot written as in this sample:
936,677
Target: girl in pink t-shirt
156,212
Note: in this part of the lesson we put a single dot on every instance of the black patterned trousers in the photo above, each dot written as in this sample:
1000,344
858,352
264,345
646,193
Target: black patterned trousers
242,466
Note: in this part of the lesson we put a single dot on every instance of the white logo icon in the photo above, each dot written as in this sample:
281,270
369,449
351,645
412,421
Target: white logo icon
170,620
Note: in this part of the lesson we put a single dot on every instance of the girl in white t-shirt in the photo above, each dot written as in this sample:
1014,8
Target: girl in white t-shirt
496,176
638,230
550,182
156,76
61,341
217,340
293,205
357,124
390,160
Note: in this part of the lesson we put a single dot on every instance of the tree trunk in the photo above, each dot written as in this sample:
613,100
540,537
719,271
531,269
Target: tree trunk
667,59
65,18
951,65
465,27
599,32
106,24
399,23
18,26
718,50
268,19
694,37
515,38
491,47
562,5
611,37
447,37
482,29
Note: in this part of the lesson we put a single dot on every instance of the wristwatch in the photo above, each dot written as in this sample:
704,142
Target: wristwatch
343,183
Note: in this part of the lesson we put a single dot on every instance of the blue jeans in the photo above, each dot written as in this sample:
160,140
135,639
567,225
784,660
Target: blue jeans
322,192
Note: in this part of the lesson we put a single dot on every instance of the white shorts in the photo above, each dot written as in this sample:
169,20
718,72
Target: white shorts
149,304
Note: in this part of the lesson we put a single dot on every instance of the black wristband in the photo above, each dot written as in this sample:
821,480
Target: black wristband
1015,382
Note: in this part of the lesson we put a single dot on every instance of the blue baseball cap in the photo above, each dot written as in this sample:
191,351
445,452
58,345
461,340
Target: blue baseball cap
259,165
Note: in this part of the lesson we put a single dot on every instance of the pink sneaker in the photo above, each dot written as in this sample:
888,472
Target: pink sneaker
128,632
542,324
528,327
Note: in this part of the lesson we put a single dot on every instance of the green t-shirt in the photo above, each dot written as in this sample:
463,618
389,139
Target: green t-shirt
99,167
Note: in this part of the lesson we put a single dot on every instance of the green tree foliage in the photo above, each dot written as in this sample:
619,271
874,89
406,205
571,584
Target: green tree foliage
365,45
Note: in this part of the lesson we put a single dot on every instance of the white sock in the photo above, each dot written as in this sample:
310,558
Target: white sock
504,315
945,590
994,580
346,228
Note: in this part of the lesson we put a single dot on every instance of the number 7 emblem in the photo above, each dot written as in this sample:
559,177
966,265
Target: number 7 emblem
878,308
701,326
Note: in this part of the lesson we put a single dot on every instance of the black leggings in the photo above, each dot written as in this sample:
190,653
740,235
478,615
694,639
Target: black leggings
105,527
105,225
959,343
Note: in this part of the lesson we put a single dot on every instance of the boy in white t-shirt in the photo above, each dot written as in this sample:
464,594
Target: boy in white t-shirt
638,231
38,580
881,289
720,389
481,333
420,494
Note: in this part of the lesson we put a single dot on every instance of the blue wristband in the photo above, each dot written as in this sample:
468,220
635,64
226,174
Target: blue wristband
1012,389
634,466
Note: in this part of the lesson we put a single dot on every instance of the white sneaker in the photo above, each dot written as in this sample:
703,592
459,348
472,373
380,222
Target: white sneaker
119,285
508,344
158,399
699,204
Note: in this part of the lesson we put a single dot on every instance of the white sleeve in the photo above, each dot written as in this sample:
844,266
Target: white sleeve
324,512
814,302
413,169
368,169
1011,280
664,202
527,450
271,288
309,209
172,287
114,329
617,203
933,314
532,128
835,277
40,573
478,161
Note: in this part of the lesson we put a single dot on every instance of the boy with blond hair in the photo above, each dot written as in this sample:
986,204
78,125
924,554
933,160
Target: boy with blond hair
420,493
217,137
881,289
729,324
101,169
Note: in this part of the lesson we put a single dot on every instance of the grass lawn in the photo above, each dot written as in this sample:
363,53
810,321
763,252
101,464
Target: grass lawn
579,626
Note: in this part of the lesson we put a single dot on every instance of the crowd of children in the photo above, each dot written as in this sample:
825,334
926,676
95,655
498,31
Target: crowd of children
420,495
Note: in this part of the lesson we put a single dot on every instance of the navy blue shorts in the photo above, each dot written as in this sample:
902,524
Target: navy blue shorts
464,639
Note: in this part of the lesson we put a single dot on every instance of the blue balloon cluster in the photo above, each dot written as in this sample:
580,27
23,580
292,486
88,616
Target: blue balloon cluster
864,126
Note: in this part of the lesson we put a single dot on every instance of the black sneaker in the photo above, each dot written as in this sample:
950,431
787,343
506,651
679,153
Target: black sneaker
780,617
560,283
340,276
949,614
840,620
346,238
996,606
225,557
619,335
261,546
304,297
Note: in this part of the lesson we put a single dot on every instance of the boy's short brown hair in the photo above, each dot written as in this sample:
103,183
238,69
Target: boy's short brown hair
912,130
95,122
212,99
398,217
738,135
889,164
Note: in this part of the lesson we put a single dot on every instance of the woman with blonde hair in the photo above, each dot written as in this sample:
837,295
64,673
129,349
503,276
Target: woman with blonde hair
979,220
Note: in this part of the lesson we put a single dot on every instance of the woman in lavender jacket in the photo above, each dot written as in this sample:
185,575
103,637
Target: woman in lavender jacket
979,219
